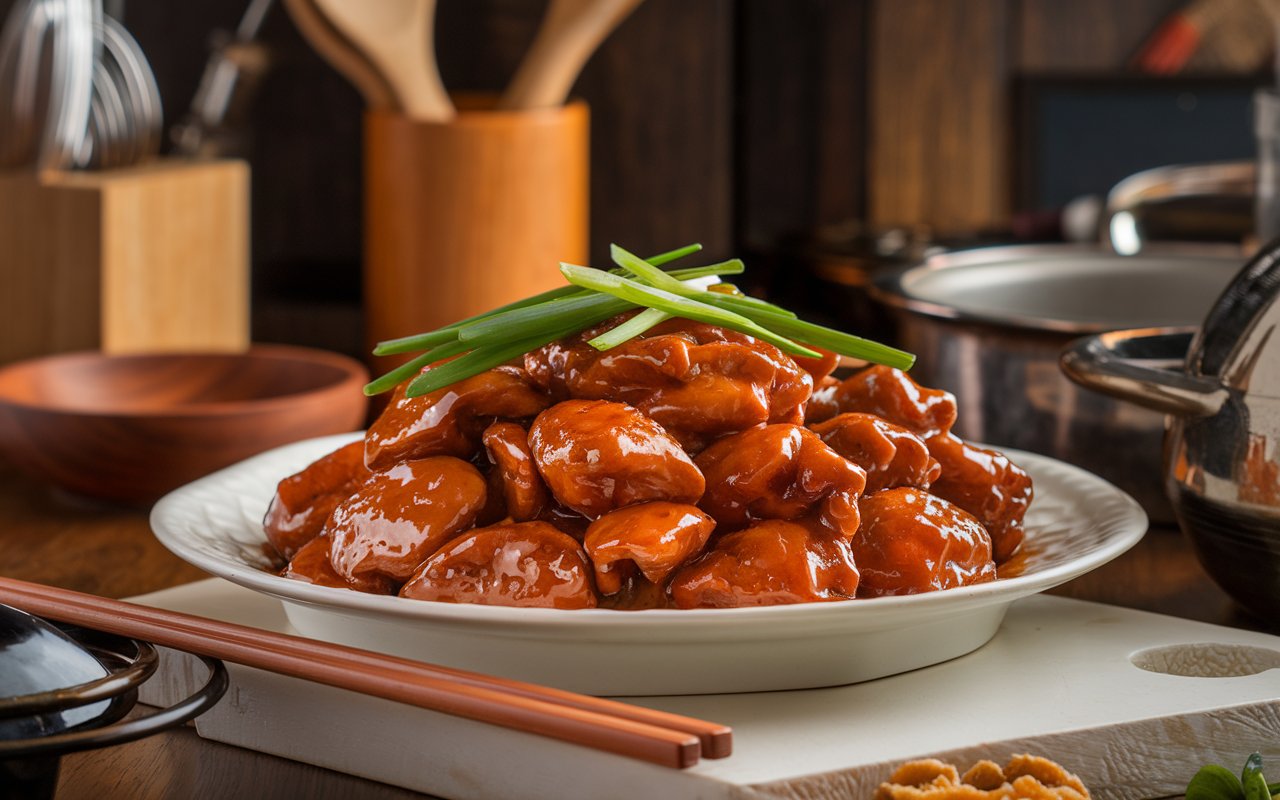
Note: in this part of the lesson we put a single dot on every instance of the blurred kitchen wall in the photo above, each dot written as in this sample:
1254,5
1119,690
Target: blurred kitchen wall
730,122
662,98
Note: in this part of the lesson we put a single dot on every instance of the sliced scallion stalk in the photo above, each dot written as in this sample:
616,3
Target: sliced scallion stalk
658,279
819,336
554,314
677,306
646,271
579,304
477,361
408,344
413,367
630,329
755,303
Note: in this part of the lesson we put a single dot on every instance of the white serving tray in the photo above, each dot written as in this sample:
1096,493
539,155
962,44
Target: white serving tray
1057,680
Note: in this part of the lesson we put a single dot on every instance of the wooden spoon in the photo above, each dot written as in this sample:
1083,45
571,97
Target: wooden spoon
571,32
397,37
342,55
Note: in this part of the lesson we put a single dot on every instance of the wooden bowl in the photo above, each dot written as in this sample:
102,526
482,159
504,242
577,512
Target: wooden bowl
131,428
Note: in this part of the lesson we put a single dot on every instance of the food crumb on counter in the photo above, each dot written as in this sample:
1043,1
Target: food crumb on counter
1025,777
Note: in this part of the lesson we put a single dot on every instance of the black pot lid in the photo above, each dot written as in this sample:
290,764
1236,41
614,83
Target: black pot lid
37,661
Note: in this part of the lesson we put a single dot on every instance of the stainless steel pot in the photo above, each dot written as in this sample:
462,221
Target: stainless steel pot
1222,450
988,325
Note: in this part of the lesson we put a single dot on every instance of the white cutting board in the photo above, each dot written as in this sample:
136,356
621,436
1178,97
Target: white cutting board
1057,680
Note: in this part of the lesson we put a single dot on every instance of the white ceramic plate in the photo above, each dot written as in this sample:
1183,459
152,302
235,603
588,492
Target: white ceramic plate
1076,523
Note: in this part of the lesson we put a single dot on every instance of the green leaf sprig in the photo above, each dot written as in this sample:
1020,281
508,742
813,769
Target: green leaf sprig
479,343
1214,782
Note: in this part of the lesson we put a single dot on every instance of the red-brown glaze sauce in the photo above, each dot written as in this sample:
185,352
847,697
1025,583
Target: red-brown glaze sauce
673,471
770,563
304,502
911,542
649,539
514,477
1017,564
517,564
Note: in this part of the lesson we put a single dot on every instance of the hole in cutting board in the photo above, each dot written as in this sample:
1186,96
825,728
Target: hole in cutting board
1207,660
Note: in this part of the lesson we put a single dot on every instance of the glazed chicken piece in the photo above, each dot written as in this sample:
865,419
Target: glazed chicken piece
822,404
818,368
652,538
449,421
311,565
912,542
697,381
517,564
597,456
303,502
891,455
780,472
514,476
987,485
891,394
771,563
401,516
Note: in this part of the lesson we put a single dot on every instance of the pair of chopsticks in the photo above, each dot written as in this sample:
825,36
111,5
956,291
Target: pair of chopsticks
666,739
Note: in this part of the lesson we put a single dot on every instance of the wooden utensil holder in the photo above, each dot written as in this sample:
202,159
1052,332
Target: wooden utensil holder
470,214
145,259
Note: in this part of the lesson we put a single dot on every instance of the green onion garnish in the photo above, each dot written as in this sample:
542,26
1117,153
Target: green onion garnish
630,329
484,341
409,344
477,361
413,367
676,305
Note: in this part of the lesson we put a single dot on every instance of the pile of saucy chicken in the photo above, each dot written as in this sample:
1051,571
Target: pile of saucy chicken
690,467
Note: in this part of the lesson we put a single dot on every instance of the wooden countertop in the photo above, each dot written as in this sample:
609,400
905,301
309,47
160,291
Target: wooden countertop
51,538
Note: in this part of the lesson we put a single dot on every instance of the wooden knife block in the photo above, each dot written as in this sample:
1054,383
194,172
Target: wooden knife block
149,258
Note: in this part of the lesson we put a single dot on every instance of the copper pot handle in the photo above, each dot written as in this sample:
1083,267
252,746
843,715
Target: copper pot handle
1145,367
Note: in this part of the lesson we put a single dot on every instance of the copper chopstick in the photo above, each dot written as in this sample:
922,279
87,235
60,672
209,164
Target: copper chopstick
655,736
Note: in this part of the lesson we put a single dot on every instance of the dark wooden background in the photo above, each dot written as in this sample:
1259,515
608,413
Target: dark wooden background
729,122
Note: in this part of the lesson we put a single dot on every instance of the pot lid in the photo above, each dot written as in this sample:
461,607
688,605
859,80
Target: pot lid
37,659
1073,289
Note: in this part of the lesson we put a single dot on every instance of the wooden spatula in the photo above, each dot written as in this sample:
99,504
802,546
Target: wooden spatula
397,37
571,32
342,55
